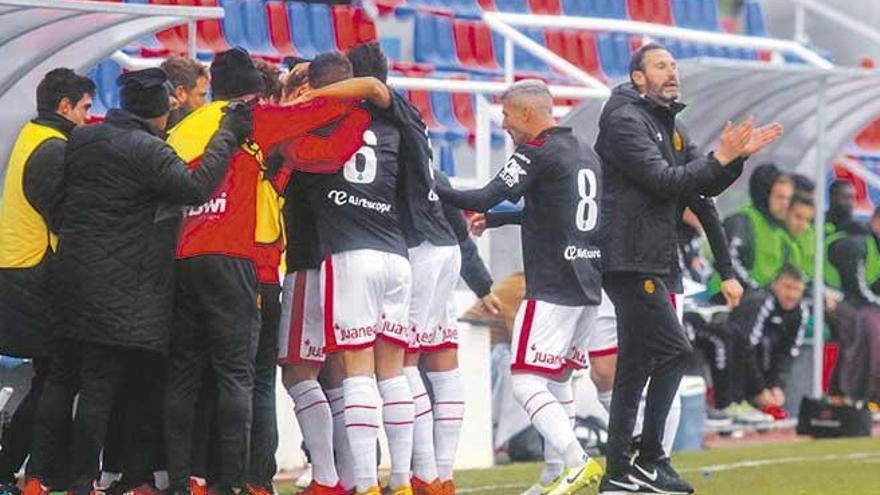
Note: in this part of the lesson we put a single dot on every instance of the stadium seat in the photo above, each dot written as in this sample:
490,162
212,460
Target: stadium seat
233,23
484,47
487,5
614,54
300,29
869,138
173,39
441,104
464,44
210,31
654,11
695,14
256,28
755,24
447,160
364,27
548,7
435,41
343,22
321,27
106,93
279,28
464,108
580,49
468,9
516,6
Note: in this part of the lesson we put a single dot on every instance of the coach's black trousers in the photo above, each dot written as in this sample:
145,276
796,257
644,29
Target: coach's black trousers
264,434
216,324
651,344
16,443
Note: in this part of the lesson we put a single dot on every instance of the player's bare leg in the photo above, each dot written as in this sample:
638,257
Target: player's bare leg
602,373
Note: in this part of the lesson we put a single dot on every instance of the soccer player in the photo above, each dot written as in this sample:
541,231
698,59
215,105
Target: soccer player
557,175
365,279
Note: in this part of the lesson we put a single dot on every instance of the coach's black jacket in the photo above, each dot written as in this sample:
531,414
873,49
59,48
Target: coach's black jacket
115,261
651,171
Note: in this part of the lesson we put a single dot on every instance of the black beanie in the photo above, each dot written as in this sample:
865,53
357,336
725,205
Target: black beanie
233,74
144,92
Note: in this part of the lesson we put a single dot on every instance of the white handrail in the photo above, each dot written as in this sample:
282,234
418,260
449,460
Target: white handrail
658,30
840,18
488,87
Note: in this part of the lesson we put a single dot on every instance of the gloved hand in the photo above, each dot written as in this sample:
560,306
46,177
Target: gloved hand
239,120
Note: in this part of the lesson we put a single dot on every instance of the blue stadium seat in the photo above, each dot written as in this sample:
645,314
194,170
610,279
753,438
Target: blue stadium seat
441,104
424,49
256,27
468,9
233,23
613,54
613,9
523,60
695,14
300,28
321,22
106,93
521,6
444,44
447,160
754,19
576,8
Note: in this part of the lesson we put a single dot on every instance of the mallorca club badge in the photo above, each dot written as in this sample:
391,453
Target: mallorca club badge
649,286
677,143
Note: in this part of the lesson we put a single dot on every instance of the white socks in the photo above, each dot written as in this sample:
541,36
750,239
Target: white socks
548,416
344,459
448,417
362,428
553,463
604,399
424,465
316,424
398,416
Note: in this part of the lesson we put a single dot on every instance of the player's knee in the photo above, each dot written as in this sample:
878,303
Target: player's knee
292,374
525,386
602,372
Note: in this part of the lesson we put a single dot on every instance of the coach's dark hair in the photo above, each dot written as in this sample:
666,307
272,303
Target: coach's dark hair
790,271
637,61
367,59
62,83
183,71
328,68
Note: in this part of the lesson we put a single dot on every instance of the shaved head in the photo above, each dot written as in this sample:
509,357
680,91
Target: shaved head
528,110
531,93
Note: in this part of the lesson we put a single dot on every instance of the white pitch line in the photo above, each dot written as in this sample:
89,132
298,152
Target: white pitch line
863,456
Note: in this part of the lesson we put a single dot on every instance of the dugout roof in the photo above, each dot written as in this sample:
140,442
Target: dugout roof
39,35
793,95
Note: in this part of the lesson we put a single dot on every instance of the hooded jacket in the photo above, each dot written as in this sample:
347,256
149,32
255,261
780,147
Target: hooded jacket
651,171
114,268
758,243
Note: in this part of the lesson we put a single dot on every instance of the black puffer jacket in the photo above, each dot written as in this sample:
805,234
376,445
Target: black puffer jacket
650,172
115,261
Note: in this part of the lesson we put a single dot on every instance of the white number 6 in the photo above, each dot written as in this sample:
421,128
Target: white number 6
368,153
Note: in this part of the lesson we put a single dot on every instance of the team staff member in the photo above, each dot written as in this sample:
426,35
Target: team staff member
646,184
190,81
114,268
27,243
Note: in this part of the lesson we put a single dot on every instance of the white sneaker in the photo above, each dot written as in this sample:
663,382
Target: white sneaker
306,478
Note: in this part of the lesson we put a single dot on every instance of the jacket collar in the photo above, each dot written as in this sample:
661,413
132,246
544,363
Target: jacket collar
128,120
55,121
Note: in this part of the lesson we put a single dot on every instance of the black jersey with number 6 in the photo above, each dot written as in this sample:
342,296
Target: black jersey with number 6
357,207
559,178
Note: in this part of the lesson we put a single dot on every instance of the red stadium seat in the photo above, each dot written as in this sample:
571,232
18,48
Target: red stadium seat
175,38
586,46
655,11
210,31
869,138
487,5
484,50
464,43
549,7
279,28
343,21
364,27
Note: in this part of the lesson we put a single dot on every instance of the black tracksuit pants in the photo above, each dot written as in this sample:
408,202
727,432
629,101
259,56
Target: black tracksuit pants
216,324
106,376
651,344
264,433
16,444
722,350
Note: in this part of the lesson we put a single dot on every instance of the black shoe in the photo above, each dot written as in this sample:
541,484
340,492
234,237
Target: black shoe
659,477
619,485
9,489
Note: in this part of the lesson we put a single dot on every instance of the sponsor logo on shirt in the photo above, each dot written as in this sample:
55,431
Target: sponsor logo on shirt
512,170
214,206
573,252
342,198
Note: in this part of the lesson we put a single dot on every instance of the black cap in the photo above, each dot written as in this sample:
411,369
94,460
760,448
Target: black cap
144,92
233,74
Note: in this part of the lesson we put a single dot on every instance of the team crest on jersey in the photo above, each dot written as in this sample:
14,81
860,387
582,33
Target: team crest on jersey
512,171
649,286
677,142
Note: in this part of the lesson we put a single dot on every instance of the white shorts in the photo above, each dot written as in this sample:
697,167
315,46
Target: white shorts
301,330
549,337
603,338
435,271
365,294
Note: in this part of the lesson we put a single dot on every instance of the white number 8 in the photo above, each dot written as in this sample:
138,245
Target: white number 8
587,211
368,153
